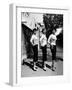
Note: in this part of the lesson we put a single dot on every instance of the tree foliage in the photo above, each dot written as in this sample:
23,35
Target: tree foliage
52,21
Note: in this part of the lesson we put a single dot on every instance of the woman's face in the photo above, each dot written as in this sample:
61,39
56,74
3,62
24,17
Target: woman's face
35,32
53,31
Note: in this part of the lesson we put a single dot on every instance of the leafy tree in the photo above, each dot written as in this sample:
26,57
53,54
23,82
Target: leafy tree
52,21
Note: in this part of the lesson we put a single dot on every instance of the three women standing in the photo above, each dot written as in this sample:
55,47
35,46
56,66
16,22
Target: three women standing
43,43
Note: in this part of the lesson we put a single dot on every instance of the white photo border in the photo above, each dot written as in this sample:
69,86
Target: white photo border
17,79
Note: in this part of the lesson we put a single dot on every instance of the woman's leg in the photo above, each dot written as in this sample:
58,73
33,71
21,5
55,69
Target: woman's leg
53,56
44,51
35,57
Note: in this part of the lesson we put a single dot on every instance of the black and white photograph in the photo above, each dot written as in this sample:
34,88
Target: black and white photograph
41,44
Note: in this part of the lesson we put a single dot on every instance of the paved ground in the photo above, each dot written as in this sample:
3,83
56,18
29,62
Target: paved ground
27,71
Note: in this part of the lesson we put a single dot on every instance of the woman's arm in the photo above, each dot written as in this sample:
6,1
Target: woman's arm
49,39
31,40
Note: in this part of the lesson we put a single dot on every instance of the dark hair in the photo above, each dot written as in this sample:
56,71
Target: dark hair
34,30
44,31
